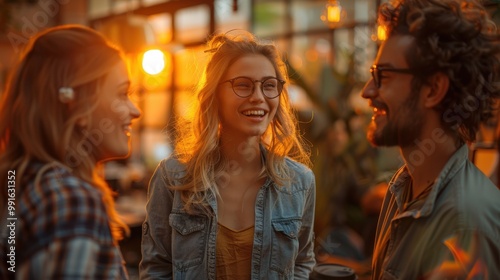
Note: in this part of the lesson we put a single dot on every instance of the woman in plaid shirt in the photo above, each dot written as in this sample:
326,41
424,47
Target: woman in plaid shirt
65,110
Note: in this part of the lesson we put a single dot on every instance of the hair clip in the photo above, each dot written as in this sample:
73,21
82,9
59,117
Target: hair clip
212,50
66,94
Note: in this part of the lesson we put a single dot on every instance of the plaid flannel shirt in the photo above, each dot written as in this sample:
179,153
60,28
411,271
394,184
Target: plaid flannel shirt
62,230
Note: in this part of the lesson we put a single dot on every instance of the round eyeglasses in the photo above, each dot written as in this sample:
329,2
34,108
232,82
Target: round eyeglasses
244,86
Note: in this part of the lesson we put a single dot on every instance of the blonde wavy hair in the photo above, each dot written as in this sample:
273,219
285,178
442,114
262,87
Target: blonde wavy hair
36,125
198,148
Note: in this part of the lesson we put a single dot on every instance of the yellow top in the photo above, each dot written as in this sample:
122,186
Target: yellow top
234,253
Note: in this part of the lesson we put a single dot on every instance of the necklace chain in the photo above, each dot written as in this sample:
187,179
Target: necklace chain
409,198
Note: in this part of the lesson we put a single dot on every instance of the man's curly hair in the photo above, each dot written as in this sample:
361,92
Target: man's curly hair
456,38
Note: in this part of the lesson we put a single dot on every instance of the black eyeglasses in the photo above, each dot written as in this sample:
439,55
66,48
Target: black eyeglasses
244,86
377,73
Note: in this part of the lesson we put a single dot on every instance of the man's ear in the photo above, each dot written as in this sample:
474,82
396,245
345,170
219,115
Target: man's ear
438,85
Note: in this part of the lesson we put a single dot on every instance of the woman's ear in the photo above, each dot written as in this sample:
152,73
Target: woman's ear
438,87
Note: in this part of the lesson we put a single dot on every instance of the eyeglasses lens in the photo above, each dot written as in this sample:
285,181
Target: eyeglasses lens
244,87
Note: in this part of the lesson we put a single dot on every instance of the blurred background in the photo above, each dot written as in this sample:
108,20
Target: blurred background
328,47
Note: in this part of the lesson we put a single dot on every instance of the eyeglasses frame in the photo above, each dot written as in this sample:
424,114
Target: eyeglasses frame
377,78
254,86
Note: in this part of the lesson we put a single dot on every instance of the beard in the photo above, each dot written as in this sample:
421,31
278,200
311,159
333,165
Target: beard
402,129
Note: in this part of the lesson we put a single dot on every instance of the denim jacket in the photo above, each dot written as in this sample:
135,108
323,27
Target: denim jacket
456,227
178,245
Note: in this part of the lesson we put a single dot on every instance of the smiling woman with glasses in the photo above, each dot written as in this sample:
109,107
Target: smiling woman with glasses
236,198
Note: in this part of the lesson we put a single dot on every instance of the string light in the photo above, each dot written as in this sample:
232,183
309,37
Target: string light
381,33
333,14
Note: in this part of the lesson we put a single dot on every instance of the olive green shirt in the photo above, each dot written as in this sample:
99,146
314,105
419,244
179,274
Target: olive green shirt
453,232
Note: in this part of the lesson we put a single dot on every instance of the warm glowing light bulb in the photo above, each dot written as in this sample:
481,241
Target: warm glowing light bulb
381,33
153,61
333,13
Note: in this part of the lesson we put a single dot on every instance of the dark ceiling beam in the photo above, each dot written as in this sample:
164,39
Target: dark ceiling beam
170,7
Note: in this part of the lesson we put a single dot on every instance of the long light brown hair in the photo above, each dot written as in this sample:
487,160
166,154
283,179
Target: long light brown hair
198,148
36,125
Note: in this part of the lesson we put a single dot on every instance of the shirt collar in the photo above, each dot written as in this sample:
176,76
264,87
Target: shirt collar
402,180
